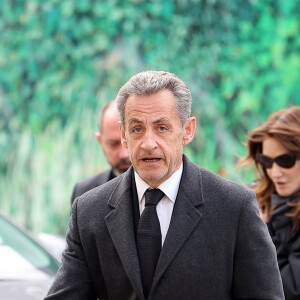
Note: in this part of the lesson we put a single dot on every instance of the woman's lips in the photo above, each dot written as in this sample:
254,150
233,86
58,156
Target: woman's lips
280,184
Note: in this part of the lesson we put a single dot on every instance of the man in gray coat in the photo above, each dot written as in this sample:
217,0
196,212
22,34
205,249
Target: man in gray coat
203,240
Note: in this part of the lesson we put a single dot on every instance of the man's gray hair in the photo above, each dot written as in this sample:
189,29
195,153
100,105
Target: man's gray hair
151,82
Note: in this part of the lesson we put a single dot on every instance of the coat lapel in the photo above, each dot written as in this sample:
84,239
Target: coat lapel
120,226
185,216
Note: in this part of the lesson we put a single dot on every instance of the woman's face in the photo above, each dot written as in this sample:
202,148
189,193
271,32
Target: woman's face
286,181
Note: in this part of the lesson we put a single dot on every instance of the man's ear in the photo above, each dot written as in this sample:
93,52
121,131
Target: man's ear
98,137
123,137
189,131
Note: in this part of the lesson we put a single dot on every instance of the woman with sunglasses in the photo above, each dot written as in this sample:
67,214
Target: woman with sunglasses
274,147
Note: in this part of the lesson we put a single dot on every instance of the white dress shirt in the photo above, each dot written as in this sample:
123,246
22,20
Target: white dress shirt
165,206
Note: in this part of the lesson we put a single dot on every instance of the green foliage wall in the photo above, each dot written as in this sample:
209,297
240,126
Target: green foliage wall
60,61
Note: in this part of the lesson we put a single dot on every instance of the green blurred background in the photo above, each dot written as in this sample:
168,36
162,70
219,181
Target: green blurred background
61,61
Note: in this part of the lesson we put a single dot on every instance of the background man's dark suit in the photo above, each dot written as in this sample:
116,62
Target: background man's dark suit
217,247
91,182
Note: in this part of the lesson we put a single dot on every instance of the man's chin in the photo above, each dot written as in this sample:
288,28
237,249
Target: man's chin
123,170
119,171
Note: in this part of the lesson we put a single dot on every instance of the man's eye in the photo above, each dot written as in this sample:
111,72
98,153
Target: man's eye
114,145
137,129
162,128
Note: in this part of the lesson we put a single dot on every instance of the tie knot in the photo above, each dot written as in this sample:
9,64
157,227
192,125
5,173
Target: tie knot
153,196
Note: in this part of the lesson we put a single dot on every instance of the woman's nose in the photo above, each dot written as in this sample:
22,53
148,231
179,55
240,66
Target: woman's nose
276,171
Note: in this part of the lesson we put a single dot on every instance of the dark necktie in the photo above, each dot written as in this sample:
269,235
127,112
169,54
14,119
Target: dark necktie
149,238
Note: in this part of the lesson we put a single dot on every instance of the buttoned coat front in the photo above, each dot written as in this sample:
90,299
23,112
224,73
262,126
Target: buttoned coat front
217,247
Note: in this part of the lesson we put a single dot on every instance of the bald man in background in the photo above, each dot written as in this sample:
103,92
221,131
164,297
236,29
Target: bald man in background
109,138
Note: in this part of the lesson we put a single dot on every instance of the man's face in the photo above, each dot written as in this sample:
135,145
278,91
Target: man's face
110,141
154,136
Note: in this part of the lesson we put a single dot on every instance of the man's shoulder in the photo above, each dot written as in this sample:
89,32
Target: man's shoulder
97,179
222,182
89,183
101,195
213,184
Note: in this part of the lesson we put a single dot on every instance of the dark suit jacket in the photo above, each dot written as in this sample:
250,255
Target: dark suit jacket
90,183
217,247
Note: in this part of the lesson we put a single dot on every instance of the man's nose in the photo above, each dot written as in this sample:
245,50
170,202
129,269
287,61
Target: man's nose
149,142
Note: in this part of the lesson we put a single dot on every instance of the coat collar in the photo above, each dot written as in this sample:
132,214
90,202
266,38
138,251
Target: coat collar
121,229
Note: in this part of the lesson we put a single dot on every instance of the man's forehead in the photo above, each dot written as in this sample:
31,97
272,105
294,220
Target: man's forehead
147,97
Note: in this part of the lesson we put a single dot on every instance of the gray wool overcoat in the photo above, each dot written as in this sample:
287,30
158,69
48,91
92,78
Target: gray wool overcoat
217,247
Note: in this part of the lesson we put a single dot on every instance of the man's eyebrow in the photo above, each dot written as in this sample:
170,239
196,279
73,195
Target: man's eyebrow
134,120
161,120
114,140
158,121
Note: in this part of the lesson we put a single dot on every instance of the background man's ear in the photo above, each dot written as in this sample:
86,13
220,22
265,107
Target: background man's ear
98,137
189,131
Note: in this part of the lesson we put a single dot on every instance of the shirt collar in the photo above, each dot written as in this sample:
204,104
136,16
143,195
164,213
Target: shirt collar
169,187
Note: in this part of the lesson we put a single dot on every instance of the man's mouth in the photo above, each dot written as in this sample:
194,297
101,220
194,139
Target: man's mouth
123,162
123,165
152,159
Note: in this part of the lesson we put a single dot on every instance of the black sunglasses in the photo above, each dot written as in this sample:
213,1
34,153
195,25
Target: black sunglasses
284,161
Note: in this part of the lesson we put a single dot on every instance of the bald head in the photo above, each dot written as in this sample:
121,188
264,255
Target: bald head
109,138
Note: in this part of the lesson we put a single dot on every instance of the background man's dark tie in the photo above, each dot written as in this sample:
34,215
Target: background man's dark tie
149,238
